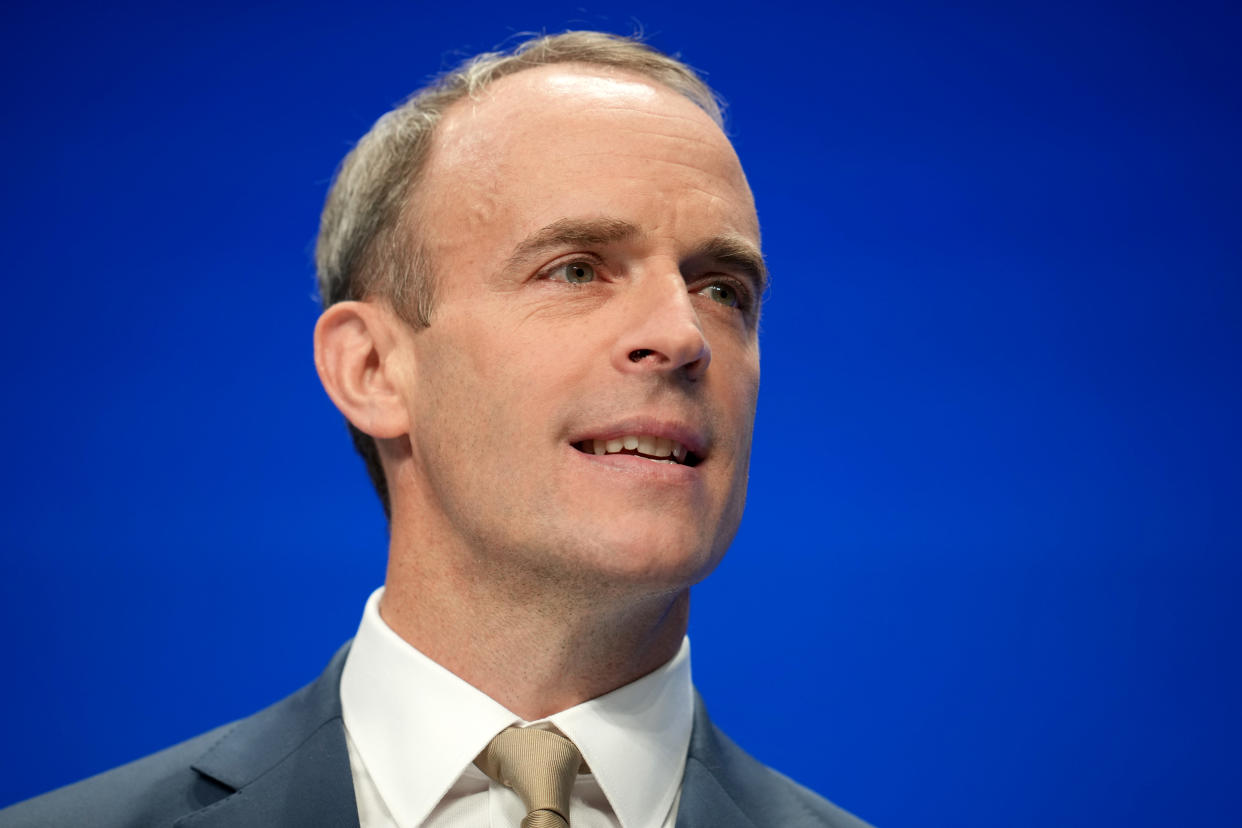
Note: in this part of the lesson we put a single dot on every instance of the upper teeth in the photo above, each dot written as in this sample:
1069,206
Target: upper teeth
642,443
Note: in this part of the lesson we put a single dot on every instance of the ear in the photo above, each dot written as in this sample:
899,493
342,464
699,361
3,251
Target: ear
364,367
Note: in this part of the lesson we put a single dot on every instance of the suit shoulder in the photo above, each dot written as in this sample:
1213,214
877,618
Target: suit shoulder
765,796
153,790
809,807
188,777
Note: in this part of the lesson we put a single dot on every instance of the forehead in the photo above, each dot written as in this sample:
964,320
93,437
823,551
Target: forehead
561,139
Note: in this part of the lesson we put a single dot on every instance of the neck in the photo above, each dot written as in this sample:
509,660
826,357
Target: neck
536,650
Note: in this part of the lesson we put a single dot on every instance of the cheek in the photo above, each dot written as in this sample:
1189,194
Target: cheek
484,382
743,380
743,399
448,394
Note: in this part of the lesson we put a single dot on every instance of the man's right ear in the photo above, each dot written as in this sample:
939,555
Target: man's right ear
366,365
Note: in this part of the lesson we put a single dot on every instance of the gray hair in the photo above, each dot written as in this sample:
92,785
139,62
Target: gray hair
368,246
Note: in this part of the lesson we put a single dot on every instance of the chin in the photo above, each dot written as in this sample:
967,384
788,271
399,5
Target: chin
658,560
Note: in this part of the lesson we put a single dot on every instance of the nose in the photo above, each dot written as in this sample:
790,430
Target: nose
662,332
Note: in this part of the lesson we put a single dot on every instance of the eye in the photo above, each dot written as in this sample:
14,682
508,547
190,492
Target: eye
724,293
575,273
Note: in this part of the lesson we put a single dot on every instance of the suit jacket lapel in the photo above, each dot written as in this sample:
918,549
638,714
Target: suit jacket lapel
288,765
705,803
708,789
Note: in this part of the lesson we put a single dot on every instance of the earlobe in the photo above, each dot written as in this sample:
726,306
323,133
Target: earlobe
362,366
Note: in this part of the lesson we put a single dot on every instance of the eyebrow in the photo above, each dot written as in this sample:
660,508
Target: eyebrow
740,255
572,233
729,250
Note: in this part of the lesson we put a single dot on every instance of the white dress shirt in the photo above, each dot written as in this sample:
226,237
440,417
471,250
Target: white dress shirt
413,730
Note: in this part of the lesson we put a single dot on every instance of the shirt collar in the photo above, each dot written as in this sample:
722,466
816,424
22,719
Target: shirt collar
418,726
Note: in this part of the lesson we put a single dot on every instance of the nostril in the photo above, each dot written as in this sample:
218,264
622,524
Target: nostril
640,354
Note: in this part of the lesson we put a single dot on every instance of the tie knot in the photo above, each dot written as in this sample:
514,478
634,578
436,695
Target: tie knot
539,766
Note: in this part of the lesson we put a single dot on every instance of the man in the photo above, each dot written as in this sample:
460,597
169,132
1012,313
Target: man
541,280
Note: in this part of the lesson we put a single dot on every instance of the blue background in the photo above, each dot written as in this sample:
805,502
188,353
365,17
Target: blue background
991,553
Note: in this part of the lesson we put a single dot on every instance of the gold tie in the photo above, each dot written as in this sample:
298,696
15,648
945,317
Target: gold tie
539,766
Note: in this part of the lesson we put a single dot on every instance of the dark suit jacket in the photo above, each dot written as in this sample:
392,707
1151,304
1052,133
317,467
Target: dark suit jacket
288,766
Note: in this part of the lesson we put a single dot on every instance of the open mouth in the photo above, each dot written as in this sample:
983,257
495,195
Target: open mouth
655,449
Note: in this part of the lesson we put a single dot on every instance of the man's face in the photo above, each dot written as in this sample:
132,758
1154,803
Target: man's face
594,246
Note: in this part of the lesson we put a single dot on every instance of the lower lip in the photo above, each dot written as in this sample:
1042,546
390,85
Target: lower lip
640,468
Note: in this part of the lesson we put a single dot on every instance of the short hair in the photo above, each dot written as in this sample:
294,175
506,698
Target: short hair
368,245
